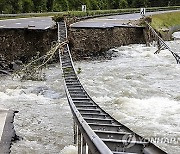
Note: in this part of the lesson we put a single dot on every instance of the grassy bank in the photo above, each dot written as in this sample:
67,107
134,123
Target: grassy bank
165,20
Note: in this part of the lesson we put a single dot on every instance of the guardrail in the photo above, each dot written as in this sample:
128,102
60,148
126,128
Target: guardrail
95,131
160,43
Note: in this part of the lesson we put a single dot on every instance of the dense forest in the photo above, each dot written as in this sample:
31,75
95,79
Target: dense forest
26,6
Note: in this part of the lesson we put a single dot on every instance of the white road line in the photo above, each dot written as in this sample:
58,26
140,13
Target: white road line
47,27
18,23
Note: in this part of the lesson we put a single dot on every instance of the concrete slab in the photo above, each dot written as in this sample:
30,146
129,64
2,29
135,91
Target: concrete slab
7,132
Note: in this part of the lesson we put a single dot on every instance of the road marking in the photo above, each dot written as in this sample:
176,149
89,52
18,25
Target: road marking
32,21
47,27
2,25
18,23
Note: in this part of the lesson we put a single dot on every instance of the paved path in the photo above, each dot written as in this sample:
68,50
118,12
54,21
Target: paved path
30,23
112,21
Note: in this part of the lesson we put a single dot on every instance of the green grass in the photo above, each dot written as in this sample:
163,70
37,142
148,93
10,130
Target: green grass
165,20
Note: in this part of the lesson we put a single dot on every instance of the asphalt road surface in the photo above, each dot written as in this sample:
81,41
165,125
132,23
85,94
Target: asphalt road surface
112,21
108,21
101,22
30,23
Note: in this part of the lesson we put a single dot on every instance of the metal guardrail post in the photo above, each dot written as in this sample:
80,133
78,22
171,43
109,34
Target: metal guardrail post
75,131
89,151
79,142
84,146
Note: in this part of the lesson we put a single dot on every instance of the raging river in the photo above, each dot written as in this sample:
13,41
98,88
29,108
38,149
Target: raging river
137,87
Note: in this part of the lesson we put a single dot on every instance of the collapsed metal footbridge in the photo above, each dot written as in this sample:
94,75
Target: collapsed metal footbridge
95,131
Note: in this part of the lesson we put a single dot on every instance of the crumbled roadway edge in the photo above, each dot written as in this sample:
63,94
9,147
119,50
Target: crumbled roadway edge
8,135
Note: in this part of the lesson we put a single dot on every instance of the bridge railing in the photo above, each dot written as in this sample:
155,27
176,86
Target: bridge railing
160,42
84,136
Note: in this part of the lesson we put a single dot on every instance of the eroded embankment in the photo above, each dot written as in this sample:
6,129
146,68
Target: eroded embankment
93,42
25,43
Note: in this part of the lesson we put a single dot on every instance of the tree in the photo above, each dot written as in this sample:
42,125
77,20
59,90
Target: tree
40,5
12,6
49,5
155,3
123,4
173,2
139,3
18,6
2,6
115,4
61,5
27,6
93,5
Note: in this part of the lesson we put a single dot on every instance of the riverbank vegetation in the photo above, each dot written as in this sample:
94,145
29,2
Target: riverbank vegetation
165,20
28,6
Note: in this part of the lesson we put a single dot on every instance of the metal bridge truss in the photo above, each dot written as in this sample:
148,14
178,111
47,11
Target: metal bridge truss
95,131
160,42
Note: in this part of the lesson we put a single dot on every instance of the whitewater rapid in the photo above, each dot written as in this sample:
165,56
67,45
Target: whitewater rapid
141,90
137,87
44,122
